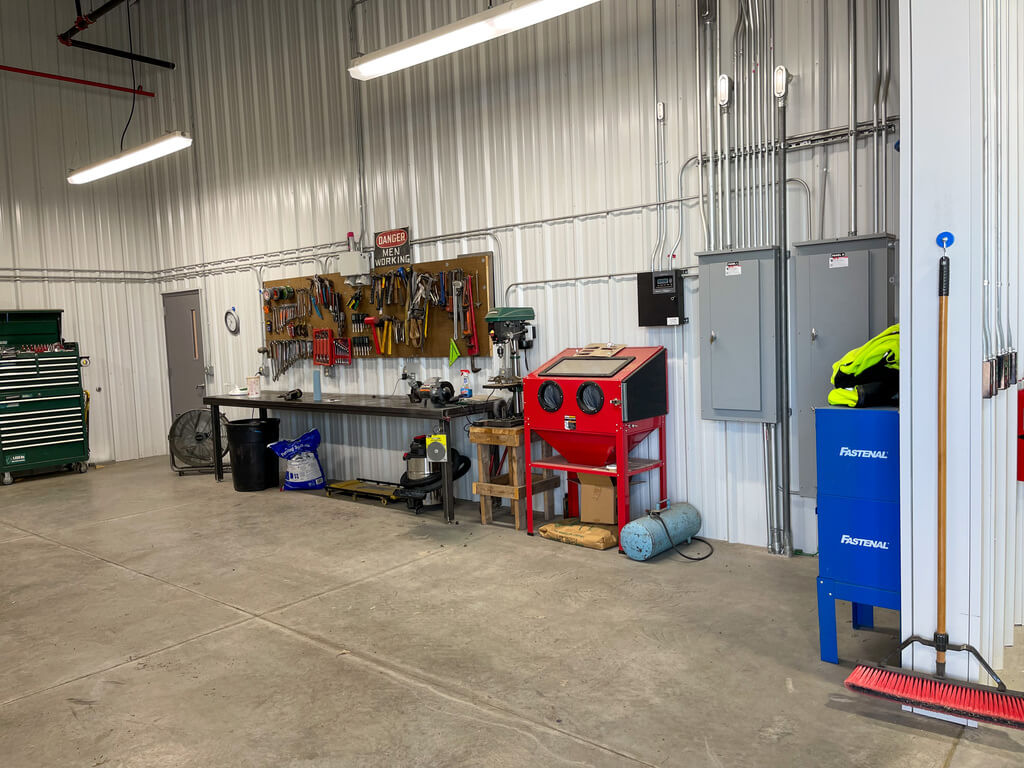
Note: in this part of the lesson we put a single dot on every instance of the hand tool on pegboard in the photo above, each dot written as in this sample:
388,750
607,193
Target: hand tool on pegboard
323,346
372,323
343,351
472,341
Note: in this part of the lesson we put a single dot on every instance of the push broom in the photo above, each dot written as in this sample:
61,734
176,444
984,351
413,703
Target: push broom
936,692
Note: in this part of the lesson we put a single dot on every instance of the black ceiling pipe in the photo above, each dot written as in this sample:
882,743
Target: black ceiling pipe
84,22
123,54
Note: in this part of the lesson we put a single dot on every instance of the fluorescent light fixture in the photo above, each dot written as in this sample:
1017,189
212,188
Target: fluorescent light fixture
144,153
473,30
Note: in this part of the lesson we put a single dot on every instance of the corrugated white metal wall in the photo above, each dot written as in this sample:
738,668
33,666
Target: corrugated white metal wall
965,70
102,232
554,121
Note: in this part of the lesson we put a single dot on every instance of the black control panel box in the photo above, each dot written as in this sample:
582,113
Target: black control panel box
659,298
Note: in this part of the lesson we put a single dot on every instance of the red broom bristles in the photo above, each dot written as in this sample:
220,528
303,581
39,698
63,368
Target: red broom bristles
948,697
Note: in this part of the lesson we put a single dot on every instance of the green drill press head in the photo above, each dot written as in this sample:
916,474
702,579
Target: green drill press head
509,315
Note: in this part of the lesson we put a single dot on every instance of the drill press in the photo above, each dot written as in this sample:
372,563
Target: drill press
510,331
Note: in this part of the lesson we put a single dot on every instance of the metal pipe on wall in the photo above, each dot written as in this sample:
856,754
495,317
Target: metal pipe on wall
884,106
778,185
712,149
875,109
782,313
727,180
697,27
661,184
851,8
826,105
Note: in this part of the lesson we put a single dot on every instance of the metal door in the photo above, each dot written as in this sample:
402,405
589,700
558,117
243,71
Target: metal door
186,371
734,297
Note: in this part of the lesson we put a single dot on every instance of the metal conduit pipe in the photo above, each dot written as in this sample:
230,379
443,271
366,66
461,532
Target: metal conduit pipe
884,105
748,119
851,8
760,142
986,281
998,172
807,195
782,329
721,159
775,185
727,179
740,116
826,99
875,110
700,123
357,109
712,149
768,443
660,161
682,170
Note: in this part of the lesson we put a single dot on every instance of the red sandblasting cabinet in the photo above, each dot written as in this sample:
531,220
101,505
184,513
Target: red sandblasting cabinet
593,405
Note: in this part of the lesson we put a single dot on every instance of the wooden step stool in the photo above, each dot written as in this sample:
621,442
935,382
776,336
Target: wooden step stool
512,484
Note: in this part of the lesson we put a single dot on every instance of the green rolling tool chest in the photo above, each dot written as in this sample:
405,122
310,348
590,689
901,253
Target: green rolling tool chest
44,411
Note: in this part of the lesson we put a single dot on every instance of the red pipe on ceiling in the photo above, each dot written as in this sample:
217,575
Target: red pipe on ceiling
63,79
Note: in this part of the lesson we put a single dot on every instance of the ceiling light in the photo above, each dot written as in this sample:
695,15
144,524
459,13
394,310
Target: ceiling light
165,145
492,23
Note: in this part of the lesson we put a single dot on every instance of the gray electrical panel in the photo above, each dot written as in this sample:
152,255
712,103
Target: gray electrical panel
737,335
844,292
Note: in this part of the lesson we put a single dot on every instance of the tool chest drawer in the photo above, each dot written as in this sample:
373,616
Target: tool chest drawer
42,431
44,412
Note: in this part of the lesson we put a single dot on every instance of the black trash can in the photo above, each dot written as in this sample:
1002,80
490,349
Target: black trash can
253,465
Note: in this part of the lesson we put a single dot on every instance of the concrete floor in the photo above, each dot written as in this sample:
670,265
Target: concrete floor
152,620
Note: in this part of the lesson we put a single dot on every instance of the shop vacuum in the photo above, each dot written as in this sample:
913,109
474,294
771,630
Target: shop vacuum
417,483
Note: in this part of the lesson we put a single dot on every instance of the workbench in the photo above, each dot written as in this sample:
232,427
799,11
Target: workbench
388,406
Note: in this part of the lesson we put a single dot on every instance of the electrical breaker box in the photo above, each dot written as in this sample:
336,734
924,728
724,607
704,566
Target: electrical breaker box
858,496
737,335
659,298
844,293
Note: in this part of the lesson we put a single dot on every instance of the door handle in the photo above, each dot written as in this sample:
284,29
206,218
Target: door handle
814,334
200,386
713,337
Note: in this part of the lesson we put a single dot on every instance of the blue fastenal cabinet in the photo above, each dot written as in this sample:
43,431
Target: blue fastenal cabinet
858,516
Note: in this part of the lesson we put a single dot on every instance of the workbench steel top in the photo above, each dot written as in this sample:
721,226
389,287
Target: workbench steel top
375,405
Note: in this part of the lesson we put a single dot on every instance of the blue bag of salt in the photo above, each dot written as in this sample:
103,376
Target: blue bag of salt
304,471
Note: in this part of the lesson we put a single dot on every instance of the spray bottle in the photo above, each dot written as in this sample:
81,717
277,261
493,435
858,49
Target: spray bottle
467,389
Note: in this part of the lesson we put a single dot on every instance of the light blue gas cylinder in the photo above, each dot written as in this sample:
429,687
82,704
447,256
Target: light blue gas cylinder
645,537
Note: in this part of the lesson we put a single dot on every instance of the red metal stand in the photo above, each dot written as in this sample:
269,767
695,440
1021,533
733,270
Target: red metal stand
593,411
622,470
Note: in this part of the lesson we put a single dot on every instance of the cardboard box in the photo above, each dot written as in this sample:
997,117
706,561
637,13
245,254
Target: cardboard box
597,499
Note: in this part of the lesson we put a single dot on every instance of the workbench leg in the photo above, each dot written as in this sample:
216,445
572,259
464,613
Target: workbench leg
863,616
662,474
218,450
448,485
549,496
529,483
483,456
827,640
515,479
622,483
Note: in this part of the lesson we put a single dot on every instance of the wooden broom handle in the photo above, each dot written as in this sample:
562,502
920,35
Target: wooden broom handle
943,330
